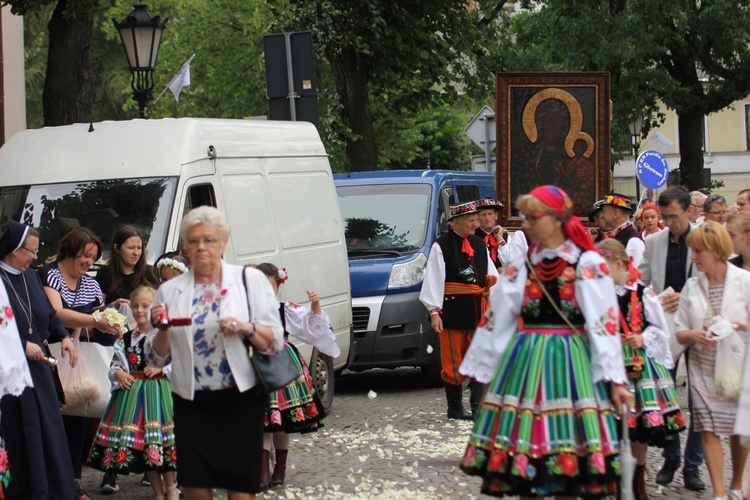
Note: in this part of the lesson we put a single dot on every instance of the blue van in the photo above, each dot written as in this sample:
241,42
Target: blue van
391,220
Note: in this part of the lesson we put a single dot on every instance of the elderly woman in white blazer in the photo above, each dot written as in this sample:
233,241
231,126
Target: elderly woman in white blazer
218,410
720,289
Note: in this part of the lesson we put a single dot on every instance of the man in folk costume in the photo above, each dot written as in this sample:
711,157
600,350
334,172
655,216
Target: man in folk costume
615,215
456,287
493,235
595,216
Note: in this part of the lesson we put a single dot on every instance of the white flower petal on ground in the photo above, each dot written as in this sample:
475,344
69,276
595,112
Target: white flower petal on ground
372,395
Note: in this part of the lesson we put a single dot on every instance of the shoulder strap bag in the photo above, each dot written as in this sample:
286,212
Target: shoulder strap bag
273,371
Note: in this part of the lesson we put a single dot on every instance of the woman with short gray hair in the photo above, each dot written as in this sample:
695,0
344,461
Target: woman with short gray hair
218,405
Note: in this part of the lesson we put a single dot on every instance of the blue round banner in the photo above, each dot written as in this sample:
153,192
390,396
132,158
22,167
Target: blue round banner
652,169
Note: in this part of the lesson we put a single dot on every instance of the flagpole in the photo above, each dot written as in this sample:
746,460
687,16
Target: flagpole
166,87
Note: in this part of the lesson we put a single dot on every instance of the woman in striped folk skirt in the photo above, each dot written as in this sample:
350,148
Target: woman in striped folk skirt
136,433
655,417
547,425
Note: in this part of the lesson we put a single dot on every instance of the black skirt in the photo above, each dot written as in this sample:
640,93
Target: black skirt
219,439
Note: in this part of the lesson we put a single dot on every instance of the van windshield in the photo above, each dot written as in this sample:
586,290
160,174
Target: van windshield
385,218
102,206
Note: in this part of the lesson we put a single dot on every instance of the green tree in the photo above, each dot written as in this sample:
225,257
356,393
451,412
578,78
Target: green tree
694,56
408,55
68,84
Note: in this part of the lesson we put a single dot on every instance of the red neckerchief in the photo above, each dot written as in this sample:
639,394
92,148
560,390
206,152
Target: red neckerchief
467,248
492,244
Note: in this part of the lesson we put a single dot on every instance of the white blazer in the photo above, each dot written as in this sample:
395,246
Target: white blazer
177,295
654,264
735,303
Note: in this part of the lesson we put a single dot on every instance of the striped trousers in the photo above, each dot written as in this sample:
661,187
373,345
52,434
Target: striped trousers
453,347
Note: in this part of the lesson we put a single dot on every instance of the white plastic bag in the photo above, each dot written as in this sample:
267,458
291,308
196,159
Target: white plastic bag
730,354
79,384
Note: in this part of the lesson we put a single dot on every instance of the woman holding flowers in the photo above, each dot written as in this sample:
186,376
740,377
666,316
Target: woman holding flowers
547,424
74,295
655,418
218,408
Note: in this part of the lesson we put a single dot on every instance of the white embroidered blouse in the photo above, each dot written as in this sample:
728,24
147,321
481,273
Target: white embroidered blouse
594,294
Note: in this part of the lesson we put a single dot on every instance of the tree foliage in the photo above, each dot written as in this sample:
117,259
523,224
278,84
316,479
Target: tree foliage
694,56
399,57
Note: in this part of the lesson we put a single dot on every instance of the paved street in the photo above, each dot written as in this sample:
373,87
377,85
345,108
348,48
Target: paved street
396,445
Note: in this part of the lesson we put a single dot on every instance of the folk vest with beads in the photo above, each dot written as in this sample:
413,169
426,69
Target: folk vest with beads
538,311
625,303
626,235
462,312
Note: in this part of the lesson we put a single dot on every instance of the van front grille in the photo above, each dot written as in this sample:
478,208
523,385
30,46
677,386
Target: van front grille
360,318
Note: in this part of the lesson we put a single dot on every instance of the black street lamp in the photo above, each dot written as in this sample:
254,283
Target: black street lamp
140,33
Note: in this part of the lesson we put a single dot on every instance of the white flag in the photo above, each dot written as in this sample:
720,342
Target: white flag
181,79
660,140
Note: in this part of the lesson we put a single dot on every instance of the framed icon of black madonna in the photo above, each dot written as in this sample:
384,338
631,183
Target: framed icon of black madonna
553,128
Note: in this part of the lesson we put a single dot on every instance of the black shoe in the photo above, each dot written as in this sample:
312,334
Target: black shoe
666,474
692,480
145,481
109,483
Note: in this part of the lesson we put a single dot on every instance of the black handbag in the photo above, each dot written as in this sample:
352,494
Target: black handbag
274,371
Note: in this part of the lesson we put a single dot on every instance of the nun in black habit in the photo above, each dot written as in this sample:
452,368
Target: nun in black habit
32,423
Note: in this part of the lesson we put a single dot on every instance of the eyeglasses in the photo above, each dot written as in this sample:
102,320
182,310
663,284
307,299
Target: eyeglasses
697,206
719,212
668,218
532,218
32,252
196,242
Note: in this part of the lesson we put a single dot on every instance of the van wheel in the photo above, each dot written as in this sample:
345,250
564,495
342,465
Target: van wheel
431,372
321,371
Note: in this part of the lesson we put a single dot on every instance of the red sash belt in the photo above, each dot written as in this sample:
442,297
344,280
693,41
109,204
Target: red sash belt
142,376
455,288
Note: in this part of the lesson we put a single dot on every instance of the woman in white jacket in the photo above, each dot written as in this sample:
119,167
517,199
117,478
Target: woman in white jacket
721,291
218,411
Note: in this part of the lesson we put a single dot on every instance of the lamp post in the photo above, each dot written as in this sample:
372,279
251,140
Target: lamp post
140,33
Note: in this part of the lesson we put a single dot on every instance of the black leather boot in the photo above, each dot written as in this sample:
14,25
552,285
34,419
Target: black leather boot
475,396
454,396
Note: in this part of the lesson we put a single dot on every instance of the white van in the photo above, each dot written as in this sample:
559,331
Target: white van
271,178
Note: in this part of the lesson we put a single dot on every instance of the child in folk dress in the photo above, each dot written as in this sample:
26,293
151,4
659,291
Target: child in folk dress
295,408
136,432
655,417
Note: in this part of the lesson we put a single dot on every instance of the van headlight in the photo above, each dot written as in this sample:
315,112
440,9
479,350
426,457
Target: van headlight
408,273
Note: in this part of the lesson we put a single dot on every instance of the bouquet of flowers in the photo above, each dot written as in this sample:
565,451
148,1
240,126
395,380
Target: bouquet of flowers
113,317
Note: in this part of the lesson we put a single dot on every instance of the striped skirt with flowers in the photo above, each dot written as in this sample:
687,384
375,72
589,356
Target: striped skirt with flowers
295,408
655,417
544,427
136,433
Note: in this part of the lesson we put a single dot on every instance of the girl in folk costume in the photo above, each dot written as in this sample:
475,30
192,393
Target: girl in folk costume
649,215
137,430
547,423
296,408
655,417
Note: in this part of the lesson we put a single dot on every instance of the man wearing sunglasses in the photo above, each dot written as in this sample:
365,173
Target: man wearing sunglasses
666,263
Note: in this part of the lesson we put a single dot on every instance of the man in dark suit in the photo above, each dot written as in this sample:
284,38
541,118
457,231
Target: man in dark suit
666,263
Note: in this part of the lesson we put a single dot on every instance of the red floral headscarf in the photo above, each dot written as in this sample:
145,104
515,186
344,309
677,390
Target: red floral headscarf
559,201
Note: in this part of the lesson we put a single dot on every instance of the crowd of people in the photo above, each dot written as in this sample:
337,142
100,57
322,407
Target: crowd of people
559,332
184,396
